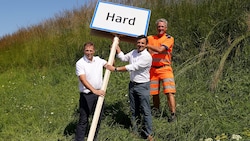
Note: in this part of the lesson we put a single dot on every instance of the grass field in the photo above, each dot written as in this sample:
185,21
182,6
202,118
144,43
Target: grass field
39,88
42,105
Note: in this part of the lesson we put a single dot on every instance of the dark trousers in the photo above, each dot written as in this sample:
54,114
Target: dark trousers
87,104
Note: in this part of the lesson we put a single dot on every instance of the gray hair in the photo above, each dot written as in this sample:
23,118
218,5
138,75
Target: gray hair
162,20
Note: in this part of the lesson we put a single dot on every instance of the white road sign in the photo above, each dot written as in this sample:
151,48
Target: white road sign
120,19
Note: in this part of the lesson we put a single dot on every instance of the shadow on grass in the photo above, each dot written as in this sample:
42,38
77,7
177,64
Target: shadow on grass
118,114
71,127
114,111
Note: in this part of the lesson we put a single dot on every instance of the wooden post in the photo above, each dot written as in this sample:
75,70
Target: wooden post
104,86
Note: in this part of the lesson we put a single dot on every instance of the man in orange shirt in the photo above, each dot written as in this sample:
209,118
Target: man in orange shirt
160,47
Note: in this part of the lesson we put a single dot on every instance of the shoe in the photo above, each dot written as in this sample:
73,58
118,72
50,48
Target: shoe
172,117
150,138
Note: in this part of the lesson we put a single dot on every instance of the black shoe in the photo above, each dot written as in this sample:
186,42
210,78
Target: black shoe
172,117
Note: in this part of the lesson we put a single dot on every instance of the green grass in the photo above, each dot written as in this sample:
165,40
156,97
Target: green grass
31,103
39,88
42,105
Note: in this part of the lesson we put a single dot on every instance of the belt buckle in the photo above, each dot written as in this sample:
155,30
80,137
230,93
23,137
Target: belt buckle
135,83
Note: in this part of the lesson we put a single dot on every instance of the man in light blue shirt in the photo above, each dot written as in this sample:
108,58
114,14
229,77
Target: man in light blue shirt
139,87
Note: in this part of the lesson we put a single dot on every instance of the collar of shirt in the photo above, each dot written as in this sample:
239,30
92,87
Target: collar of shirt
142,51
87,60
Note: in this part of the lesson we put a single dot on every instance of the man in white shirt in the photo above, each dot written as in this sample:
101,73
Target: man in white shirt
89,70
139,87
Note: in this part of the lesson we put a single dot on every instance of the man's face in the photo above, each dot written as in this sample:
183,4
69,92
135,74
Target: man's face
89,52
161,28
141,44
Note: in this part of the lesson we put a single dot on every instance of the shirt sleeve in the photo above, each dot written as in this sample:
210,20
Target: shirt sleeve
79,69
123,57
101,61
168,43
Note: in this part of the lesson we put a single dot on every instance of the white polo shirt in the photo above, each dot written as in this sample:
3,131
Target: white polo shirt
139,65
93,71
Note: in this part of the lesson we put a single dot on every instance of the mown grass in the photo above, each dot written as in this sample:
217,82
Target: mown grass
39,89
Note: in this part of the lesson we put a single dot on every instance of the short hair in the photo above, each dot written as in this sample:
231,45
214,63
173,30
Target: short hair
162,20
88,44
142,37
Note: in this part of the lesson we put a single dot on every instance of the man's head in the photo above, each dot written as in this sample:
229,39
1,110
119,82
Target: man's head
162,26
142,42
89,50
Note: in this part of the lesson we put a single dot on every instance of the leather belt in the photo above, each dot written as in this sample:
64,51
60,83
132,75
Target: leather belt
157,67
135,83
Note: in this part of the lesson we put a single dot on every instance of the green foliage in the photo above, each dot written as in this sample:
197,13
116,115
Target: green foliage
38,87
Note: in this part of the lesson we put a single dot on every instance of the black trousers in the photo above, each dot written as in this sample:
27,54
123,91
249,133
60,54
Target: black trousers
87,104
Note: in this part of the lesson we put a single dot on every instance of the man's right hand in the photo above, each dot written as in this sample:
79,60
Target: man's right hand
99,92
110,67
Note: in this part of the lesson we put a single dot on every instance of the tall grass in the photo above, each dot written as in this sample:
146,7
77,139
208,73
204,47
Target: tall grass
224,57
38,87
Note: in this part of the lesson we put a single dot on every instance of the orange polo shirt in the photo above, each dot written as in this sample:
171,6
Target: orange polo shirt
164,58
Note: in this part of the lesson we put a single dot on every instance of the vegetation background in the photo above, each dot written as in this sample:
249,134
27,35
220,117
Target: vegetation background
38,87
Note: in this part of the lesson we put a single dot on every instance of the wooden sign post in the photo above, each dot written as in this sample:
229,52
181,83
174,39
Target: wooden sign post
119,20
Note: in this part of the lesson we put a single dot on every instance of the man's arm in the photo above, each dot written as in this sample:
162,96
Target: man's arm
118,49
85,82
112,68
156,48
166,45
123,57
